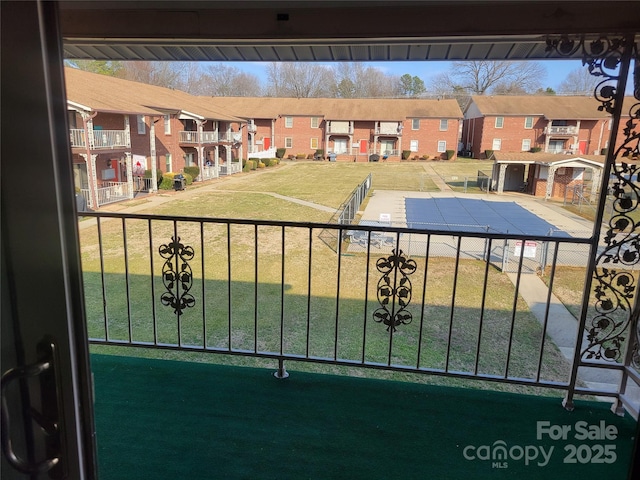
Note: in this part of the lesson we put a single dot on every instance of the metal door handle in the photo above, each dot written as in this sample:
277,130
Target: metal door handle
48,426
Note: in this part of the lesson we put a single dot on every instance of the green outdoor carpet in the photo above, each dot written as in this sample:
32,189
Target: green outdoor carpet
160,419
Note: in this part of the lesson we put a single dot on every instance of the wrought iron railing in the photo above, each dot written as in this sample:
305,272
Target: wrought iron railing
273,290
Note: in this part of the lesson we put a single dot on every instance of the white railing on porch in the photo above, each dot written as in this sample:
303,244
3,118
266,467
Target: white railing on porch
101,138
209,172
271,153
230,168
110,192
561,130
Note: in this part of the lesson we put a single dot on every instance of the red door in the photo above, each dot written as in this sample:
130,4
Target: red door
364,147
266,143
582,147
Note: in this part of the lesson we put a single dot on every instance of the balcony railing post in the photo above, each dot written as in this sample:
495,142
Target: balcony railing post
281,373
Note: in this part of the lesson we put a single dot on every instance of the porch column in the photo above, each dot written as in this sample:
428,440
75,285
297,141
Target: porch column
546,137
501,177
216,162
229,147
200,149
273,135
127,131
129,165
153,154
550,178
92,179
596,178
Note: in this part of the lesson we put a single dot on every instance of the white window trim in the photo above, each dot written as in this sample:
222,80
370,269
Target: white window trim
316,141
501,121
317,122
493,144
288,122
442,146
446,124
167,124
142,126
528,142
413,124
412,147
168,162
288,142
525,122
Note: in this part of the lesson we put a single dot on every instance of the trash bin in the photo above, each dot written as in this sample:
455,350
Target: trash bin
374,157
332,157
178,182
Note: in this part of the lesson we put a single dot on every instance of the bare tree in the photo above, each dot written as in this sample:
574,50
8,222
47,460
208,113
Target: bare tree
579,82
482,77
103,67
355,80
300,80
227,81
162,74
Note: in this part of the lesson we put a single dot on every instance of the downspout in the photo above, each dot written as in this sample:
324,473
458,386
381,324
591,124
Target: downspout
91,165
153,153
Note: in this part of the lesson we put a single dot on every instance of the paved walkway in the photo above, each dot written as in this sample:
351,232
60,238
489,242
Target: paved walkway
437,179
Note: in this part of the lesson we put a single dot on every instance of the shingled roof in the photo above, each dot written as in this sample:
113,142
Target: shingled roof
543,158
391,109
554,107
110,94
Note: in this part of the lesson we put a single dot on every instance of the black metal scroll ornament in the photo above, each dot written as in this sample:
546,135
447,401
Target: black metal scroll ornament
177,275
394,287
614,278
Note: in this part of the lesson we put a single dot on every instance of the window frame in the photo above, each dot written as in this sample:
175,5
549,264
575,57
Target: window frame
499,143
314,140
315,120
168,162
501,122
411,146
288,142
446,124
142,125
526,120
288,122
167,124
442,146
528,140
415,124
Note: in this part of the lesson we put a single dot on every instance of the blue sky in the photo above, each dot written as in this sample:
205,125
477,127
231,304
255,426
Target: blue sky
557,70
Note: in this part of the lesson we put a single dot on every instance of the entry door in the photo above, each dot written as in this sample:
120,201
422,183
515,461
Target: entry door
45,365
266,143
386,147
582,147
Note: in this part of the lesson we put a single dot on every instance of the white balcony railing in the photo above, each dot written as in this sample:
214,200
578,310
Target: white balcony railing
209,137
102,139
561,130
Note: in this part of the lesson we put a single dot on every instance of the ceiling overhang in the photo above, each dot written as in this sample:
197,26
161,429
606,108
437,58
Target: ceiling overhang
351,30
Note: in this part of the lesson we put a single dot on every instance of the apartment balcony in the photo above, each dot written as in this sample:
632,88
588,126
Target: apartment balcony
341,128
392,130
252,128
102,139
300,299
561,131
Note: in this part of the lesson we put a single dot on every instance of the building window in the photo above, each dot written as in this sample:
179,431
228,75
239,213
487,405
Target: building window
444,124
315,121
141,125
288,142
414,146
526,144
442,146
314,143
167,124
340,145
415,124
528,122
497,143
499,122
288,122
167,162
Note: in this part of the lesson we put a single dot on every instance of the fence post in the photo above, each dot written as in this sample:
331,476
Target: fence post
466,179
505,255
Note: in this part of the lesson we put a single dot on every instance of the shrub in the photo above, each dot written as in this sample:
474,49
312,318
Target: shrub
310,156
488,154
192,171
167,181
280,152
188,179
261,165
450,154
535,149
301,156
424,157
275,161
249,165
147,174
406,154
254,164
604,151
319,154
267,162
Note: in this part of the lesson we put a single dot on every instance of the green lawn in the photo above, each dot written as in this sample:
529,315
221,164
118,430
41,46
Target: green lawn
257,306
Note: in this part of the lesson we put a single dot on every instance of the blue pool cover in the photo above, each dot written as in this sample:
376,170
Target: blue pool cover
471,215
